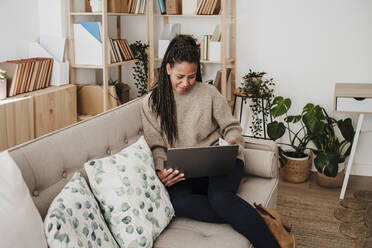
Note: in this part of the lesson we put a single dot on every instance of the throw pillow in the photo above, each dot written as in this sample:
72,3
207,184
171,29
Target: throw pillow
20,221
135,203
74,218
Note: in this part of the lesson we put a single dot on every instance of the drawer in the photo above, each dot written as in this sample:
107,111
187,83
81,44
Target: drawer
348,104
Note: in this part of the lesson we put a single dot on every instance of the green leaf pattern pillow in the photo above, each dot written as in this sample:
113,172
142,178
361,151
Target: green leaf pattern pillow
135,203
74,218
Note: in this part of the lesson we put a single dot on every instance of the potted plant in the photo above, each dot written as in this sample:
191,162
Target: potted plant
140,68
258,90
295,162
331,152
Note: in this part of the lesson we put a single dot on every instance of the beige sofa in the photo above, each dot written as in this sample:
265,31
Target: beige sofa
48,162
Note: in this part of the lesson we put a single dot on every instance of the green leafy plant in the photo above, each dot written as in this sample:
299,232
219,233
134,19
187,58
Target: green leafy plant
330,151
309,123
258,90
140,67
3,74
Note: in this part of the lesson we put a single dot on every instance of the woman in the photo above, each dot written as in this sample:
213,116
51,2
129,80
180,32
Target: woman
181,112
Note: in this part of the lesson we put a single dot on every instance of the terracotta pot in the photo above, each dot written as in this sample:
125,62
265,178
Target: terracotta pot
297,170
331,182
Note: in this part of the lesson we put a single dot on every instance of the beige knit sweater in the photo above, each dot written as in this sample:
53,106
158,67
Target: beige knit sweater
203,116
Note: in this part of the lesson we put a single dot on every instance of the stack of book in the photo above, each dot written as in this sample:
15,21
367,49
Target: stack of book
210,46
126,6
120,50
27,74
209,7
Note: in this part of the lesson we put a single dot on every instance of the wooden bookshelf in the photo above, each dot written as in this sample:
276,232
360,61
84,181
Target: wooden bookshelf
105,43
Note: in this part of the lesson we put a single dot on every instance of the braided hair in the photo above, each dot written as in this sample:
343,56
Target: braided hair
181,49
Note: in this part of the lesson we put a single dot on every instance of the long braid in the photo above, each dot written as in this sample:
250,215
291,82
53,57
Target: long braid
181,49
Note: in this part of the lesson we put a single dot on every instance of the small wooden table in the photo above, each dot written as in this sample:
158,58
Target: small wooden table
353,98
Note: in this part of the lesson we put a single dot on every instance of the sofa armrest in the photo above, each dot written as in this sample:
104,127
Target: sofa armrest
261,158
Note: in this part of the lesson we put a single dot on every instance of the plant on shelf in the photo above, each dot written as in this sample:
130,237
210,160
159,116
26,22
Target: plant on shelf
140,67
331,152
295,162
259,90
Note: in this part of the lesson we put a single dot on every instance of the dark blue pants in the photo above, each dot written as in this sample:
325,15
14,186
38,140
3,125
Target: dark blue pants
214,200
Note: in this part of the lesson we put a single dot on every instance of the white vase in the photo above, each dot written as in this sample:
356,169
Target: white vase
96,5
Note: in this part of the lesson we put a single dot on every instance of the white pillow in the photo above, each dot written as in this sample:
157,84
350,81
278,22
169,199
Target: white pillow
74,218
135,203
20,221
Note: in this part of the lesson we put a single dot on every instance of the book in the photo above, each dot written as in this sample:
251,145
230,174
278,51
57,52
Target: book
217,80
173,7
189,7
161,4
124,6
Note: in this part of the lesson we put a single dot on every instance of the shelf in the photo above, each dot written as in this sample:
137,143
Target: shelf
122,63
190,15
206,61
101,67
86,13
87,66
100,13
124,14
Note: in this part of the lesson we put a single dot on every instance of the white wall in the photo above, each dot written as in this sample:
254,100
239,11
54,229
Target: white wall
307,46
19,21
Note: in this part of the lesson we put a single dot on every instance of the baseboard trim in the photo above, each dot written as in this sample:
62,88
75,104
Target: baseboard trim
361,169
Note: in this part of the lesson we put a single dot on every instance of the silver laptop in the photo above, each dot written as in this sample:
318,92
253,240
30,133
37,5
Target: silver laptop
202,161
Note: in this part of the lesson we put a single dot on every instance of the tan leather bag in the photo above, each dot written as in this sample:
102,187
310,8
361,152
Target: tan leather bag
274,223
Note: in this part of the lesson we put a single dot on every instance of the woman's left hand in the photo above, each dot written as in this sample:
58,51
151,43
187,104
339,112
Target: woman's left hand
232,142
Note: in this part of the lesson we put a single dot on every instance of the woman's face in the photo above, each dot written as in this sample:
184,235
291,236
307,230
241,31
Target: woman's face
182,76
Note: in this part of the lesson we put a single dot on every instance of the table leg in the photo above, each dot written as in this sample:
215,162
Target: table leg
241,109
234,105
351,158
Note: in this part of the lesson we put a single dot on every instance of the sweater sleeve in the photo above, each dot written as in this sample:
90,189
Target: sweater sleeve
230,128
153,135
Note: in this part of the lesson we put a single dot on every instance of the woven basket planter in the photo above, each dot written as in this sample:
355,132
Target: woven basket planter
296,170
331,182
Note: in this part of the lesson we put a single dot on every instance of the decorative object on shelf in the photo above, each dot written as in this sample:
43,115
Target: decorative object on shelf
122,91
96,5
259,91
90,99
3,81
295,162
140,67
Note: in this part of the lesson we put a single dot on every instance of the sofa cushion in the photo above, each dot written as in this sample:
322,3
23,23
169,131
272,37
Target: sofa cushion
74,218
260,163
21,224
136,204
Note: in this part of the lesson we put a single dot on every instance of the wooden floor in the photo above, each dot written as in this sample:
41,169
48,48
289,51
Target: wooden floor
309,208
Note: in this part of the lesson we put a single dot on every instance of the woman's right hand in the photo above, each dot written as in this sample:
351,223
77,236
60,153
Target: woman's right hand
169,176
